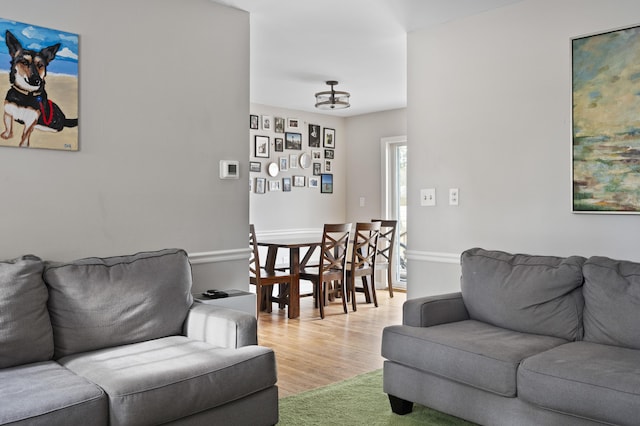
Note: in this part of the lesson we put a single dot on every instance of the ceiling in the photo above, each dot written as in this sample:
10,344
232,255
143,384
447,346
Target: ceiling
297,45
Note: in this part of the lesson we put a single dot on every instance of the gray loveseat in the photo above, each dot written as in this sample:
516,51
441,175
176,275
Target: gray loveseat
529,340
119,341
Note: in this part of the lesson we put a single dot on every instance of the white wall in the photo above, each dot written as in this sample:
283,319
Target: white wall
302,209
364,133
164,95
489,112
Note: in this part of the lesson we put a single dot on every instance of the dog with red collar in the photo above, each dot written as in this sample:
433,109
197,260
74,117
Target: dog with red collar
27,101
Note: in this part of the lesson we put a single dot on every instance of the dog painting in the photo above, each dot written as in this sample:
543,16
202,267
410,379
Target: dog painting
40,108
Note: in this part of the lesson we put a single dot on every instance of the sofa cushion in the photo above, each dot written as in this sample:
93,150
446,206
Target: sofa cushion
97,303
585,379
531,294
612,302
162,380
470,352
46,394
25,328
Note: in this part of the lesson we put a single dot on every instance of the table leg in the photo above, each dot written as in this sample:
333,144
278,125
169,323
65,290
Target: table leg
294,290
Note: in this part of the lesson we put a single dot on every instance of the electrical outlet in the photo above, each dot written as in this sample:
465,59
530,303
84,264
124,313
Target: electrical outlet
428,197
453,196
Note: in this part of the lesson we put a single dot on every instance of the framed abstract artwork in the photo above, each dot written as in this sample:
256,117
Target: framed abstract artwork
605,123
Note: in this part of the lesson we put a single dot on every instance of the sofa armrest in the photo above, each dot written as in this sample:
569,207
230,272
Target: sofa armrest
434,310
221,326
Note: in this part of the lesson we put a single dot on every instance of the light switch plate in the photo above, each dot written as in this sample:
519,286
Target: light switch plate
428,197
454,196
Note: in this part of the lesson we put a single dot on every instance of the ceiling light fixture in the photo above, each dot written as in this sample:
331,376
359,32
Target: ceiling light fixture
332,99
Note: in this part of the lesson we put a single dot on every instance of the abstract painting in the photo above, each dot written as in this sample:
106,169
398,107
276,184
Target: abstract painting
606,122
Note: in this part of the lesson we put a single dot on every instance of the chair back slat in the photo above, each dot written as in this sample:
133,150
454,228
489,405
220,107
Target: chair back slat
254,257
335,240
365,245
386,240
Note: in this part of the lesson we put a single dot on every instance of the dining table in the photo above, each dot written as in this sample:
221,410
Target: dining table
294,244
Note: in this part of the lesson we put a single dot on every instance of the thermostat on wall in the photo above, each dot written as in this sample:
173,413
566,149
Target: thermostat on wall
229,169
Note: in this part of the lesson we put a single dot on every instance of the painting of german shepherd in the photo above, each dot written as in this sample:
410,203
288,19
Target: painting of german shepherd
27,101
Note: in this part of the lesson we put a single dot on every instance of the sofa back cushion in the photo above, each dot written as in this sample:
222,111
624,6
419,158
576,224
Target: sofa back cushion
96,303
612,302
530,294
25,328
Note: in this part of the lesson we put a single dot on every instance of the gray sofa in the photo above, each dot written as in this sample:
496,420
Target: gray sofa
529,340
119,341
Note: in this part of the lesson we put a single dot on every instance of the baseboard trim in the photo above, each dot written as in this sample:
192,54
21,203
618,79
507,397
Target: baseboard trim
435,257
219,256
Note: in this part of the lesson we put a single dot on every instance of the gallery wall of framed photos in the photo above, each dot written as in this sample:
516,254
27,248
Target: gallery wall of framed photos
290,154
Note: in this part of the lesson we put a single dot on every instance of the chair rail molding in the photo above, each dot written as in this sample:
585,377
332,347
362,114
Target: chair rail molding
219,256
431,256
285,233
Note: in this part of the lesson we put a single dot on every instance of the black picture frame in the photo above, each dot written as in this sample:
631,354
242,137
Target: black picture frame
317,169
253,121
314,136
326,183
261,149
329,138
293,140
278,125
278,145
255,166
329,154
286,184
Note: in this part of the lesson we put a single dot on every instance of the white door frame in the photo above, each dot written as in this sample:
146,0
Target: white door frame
385,167
388,184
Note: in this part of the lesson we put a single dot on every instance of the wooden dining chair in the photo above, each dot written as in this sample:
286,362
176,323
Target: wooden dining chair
363,262
386,244
328,277
265,279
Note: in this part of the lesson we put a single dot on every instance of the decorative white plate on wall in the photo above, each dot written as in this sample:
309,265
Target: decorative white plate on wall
305,160
273,169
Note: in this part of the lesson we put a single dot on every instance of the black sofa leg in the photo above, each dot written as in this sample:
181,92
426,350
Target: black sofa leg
400,406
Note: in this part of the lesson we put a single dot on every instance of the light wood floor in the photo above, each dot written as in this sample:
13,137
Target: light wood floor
313,352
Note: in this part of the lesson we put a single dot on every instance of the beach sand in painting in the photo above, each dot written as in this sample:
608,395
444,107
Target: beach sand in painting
61,89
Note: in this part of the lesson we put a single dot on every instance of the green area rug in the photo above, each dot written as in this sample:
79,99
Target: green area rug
356,401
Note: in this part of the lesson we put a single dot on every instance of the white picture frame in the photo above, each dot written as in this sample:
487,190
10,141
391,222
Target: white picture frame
293,124
267,122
